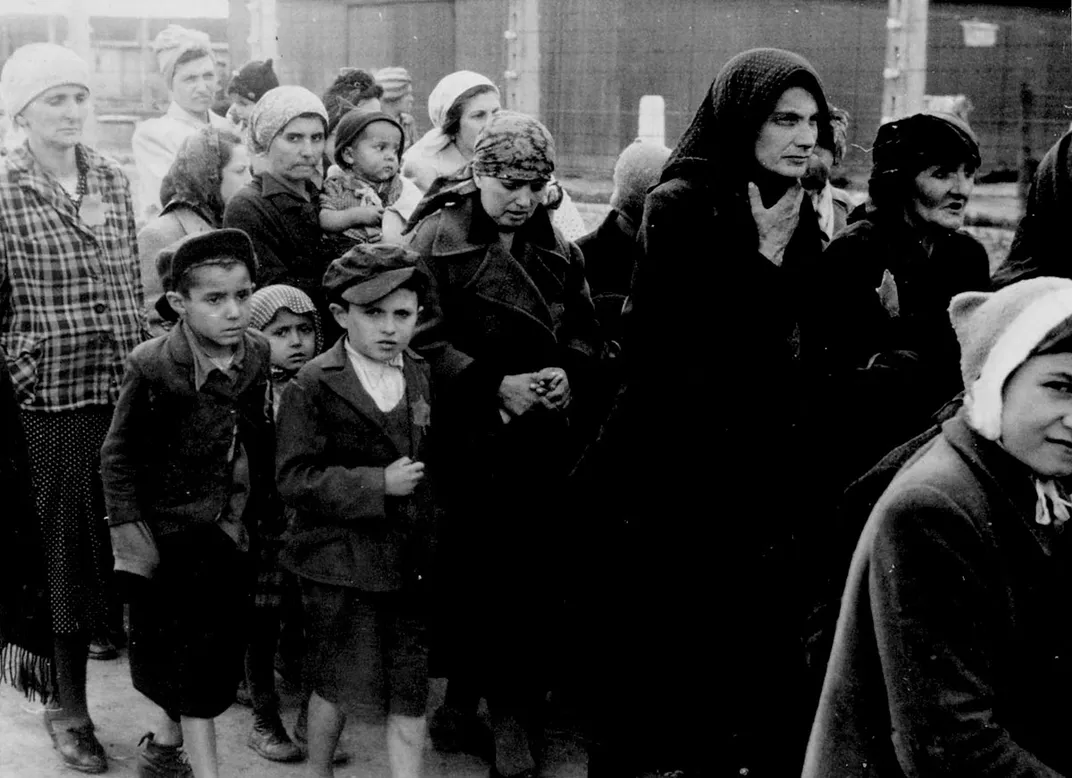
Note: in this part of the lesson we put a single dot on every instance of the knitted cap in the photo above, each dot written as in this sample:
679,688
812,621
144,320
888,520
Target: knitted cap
276,109
396,82
174,41
36,68
353,124
998,332
636,171
253,79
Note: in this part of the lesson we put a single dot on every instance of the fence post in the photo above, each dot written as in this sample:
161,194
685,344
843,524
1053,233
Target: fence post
78,39
905,74
263,31
523,56
651,123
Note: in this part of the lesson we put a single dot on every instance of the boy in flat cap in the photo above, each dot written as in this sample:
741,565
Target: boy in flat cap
187,468
353,464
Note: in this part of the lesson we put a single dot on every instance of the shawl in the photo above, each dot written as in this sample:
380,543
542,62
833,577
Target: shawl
195,176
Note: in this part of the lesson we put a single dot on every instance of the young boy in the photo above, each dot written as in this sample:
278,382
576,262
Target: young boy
187,467
353,442
364,197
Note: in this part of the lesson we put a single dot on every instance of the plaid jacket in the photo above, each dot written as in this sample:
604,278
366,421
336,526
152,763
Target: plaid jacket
70,283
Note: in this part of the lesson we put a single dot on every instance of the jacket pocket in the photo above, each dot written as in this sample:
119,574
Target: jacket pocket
22,355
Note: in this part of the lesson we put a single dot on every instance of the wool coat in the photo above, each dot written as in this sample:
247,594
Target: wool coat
952,656
333,447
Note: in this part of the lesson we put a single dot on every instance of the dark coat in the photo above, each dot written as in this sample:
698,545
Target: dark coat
1037,246
908,364
332,451
610,253
952,655
166,458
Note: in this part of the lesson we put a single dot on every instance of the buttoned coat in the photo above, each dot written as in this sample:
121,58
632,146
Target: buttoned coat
333,447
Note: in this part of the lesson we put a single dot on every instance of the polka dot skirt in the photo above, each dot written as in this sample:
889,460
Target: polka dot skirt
64,452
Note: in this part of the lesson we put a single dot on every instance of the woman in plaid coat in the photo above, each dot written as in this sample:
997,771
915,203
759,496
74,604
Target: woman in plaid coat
70,295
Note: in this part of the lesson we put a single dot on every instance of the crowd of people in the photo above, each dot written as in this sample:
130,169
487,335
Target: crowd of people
847,558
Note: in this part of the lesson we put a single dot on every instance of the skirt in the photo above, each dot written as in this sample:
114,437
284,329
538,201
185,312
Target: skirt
367,651
188,623
64,449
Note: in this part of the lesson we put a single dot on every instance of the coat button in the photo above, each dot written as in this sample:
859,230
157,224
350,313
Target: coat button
100,307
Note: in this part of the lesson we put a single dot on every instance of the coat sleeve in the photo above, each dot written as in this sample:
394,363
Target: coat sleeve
244,212
580,335
152,160
305,476
933,615
123,454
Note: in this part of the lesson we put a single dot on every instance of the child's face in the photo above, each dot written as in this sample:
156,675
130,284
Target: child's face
217,307
292,337
381,329
374,155
1036,417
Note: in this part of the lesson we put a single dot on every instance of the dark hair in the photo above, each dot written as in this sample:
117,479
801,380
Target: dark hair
191,181
452,123
185,281
198,52
349,88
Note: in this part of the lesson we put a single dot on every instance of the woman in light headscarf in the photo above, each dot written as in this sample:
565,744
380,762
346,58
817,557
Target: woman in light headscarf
510,331
188,67
70,296
210,168
459,107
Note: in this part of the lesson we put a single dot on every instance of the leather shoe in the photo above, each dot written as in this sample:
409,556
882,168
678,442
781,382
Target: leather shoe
271,741
77,746
103,649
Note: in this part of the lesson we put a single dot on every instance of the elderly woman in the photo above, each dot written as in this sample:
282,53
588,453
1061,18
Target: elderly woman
189,69
951,656
704,454
883,286
459,107
210,168
509,329
70,295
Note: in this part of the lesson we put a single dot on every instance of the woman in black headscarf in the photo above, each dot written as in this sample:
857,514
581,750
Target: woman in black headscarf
702,455
882,334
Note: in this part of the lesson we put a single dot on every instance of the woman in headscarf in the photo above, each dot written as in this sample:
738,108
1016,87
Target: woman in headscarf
951,656
459,107
188,67
509,329
70,296
881,290
1044,222
701,468
210,168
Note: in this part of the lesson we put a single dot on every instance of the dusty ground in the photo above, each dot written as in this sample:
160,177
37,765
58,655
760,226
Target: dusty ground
122,714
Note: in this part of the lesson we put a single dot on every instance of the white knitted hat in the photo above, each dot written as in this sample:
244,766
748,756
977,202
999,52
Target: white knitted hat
36,68
998,332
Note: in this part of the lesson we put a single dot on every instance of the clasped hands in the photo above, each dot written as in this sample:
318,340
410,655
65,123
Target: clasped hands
548,388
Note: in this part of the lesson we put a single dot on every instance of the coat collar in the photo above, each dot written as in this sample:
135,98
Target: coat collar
466,227
271,186
339,376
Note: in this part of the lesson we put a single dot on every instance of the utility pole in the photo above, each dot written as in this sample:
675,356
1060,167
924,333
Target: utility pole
263,31
905,74
78,40
523,56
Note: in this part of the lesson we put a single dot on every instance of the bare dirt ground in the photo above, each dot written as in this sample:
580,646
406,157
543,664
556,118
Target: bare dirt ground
122,716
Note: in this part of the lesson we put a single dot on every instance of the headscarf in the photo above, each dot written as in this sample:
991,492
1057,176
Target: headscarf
719,142
194,178
269,300
276,109
174,41
514,146
35,68
906,146
395,81
440,101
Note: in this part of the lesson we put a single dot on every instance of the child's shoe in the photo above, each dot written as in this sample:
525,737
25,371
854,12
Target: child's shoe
159,761
77,745
270,739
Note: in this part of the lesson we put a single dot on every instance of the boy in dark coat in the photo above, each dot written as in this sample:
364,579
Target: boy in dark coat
187,468
354,437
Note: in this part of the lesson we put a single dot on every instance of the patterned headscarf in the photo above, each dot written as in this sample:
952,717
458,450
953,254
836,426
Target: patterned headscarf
194,178
719,143
174,41
268,301
514,146
276,109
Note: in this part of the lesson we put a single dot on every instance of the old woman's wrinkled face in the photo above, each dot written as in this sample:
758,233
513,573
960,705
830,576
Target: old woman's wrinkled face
1036,416
56,117
787,137
509,202
939,195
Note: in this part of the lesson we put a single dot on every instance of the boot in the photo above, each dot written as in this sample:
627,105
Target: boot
159,761
270,739
76,744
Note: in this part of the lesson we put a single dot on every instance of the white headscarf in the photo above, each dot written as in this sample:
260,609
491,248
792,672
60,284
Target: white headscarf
35,68
445,94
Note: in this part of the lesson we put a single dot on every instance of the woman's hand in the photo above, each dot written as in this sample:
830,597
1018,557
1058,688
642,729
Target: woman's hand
552,385
401,477
777,223
517,393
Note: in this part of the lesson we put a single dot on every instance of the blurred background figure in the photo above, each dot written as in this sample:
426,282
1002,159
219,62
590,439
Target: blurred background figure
397,100
831,204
